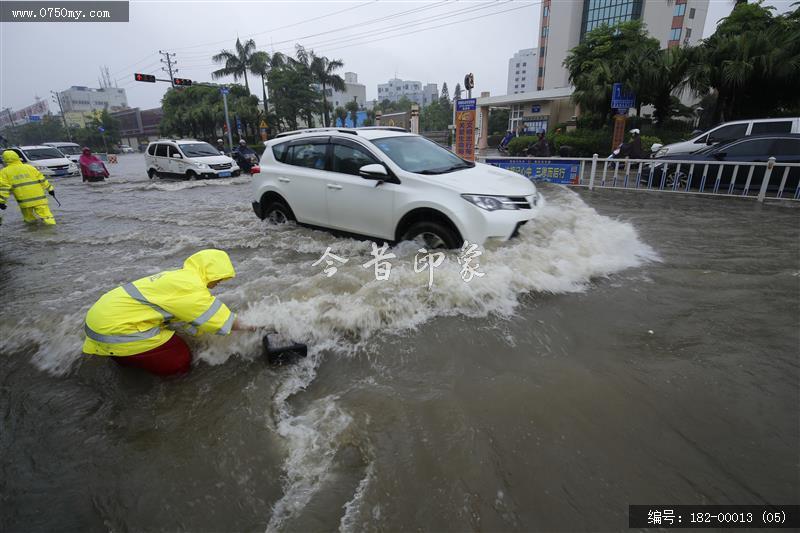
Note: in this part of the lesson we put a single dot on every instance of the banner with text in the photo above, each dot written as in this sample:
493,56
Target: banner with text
562,171
465,128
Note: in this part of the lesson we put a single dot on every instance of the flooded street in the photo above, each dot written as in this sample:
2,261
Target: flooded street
627,348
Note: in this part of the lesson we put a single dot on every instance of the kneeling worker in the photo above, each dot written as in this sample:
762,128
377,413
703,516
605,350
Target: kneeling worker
133,323
29,187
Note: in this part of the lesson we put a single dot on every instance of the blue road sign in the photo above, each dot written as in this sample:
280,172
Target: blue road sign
557,171
535,108
224,90
468,104
34,118
101,129
621,99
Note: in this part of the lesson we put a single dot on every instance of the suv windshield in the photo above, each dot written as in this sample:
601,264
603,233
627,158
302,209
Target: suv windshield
70,150
198,150
37,154
420,155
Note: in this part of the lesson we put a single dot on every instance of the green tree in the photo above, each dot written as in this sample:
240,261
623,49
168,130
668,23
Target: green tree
340,116
50,128
751,62
260,63
435,116
498,121
293,94
457,92
323,71
445,96
237,62
352,107
608,55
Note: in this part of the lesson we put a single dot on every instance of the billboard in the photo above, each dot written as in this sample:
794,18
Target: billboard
564,171
465,128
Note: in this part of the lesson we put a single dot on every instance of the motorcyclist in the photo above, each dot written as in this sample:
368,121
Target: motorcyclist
245,157
221,147
541,148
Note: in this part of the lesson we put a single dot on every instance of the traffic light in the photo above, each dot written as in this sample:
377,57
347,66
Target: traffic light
469,81
149,78
181,81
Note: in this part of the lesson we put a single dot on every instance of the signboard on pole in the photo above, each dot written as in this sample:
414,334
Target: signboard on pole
621,99
263,130
562,171
465,128
619,131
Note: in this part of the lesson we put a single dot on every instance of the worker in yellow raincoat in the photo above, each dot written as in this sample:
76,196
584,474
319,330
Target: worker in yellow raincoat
29,187
133,324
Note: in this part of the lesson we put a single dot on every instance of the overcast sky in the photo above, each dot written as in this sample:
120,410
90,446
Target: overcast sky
473,36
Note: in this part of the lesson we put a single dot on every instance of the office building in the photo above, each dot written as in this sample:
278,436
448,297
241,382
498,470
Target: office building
415,91
353,90
563,25
84,99
522,72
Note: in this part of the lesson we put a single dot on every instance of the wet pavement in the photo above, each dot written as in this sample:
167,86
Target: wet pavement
627,348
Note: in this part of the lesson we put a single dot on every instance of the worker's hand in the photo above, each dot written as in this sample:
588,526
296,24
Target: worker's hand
52,193
2,206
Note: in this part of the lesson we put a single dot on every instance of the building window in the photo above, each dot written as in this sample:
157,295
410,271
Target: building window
691,12
542,50
516,86
523,72
679,11
541,71
522,86
545,31
688,33
675,34
597,13
516,79
546,11
524,64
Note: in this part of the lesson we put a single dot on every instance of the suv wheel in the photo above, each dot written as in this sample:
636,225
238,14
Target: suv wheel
190,175
433,234
278,212
152,173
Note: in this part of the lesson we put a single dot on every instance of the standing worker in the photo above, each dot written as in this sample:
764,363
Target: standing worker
133,323
29,187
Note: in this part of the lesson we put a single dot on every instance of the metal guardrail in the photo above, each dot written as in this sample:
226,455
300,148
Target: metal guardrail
759,180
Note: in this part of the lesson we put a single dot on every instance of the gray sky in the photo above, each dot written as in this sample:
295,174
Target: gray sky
474,36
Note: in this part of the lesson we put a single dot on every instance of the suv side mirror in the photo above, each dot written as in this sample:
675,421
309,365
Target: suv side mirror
373,172
177,156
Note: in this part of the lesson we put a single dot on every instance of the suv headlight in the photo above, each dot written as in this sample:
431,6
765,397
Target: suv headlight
202,165
490,203
662,152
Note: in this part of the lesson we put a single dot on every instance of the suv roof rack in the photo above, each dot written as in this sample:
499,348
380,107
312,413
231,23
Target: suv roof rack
387,128
351,131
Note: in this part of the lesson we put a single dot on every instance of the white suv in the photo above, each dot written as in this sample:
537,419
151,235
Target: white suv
47,160
391,185
188,158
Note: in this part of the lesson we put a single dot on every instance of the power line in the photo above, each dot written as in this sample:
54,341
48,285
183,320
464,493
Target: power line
169,61
281,27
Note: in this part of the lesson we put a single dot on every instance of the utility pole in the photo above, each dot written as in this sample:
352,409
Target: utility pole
57,98
170,62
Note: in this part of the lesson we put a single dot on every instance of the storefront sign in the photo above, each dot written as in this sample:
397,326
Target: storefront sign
465,128
562,171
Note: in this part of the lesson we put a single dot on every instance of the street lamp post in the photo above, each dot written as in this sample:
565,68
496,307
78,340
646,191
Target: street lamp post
64,118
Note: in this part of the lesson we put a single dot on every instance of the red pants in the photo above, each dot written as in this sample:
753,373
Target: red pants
172,357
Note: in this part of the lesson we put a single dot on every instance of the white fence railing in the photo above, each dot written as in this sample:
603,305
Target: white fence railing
759,180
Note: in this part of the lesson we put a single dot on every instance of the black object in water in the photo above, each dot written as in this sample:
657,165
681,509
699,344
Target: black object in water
283,355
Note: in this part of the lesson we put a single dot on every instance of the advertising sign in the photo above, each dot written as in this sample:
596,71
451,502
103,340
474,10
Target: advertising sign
562,171
465,128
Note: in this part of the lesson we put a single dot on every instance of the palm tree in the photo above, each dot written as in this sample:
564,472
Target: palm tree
323,70
352,106
236,63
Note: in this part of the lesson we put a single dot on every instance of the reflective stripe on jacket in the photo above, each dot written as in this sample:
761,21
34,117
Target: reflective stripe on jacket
141,315
27,184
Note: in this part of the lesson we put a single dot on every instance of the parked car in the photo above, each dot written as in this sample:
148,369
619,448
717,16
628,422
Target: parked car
389,185
784,148
125,149
187,158
730,131
71,150
48,160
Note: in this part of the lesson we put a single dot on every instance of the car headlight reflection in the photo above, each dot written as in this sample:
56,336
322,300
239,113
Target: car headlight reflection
662,152
490,203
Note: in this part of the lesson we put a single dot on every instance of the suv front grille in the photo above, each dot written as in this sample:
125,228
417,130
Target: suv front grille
520,201
221,166
59,167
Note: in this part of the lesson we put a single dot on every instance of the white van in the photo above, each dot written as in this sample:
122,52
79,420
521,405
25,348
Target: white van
47,160
187,158
730,131
71,150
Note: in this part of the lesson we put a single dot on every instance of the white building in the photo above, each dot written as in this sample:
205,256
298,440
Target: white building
522,69
396,88
353,89
563,25
84,99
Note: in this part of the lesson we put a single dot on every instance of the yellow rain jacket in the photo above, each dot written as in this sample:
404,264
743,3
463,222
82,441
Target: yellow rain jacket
27,183
139,316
